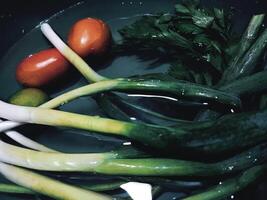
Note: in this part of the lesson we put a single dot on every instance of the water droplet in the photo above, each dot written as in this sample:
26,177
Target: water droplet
183,92
220,183
232,110
127,143
232,196
140,3
122,3
131,3
231,168
133,118
255,160
23,31
250,35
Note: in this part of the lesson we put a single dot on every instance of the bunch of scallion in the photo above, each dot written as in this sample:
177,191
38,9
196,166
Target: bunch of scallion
212,70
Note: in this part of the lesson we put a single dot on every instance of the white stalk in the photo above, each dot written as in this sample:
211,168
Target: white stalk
66,97
37,160
27,142
7,125
73,57
48,186
65,119
14,113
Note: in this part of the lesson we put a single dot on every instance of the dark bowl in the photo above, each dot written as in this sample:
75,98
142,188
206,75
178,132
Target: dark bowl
19,37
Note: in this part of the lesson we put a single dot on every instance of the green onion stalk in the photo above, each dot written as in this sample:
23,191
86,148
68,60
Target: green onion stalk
242,63
125,163
73,57
46,186
197,136
100,187
248,85
248,61
27,142
231,186
157,136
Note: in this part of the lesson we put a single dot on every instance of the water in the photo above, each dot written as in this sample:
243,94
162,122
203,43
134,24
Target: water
79,141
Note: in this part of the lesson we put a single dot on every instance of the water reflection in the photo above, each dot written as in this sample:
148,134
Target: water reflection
138,191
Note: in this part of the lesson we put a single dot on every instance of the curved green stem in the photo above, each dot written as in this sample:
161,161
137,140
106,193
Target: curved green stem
100,187
14,189
247,85
231,186
240,66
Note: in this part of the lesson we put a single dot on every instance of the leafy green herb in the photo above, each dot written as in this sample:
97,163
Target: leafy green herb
193,38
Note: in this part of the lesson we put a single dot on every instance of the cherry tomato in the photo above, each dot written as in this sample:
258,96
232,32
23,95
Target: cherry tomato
89,37
41,68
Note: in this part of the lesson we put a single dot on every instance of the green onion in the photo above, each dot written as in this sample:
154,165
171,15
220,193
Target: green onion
101,187
248,38
249,60
124,162
74,58
231,186
48,186
14,189
248,85
27,142
194,136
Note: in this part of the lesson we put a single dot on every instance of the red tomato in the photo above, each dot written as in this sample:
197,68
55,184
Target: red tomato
41,68
89,36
